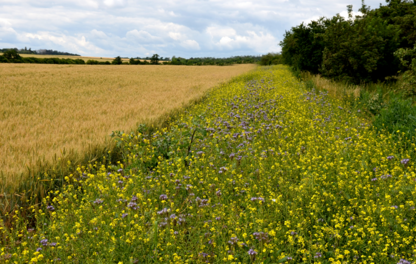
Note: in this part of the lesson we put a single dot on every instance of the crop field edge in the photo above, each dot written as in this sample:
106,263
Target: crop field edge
50,175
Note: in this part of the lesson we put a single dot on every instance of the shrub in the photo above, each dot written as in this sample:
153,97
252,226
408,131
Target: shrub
117,61
11,55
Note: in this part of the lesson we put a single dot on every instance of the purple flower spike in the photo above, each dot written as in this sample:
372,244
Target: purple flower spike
405,161
318,255
44,242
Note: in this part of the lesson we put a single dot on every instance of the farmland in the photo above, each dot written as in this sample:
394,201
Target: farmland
263,170
48,110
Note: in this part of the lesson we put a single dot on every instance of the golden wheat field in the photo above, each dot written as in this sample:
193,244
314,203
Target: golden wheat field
46,109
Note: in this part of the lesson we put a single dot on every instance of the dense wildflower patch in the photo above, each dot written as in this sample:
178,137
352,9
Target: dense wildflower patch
261,171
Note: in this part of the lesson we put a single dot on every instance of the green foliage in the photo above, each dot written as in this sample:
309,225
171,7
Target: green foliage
117,61
354,50
92,62
215,61
407,59
359,50
135,62
154,59
3,59
398,118
51,60
373,102
302,46
271,59
11,55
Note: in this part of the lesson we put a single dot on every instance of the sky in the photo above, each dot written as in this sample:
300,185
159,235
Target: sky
140,28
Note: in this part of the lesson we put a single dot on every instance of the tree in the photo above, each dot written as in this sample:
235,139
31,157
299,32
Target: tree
154,59
117,61
12,56
302,46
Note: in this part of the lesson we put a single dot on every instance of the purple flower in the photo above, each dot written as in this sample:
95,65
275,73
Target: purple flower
38,249
318,255
132,205
289,258
134,198
261,236
163,211
390,157
98,201
50,208
119,170
218,193
385,176
403,261
374,179
173,216
124,215
251,252
53,244
405,161
218,218
163,197
44,242
395,206
233,241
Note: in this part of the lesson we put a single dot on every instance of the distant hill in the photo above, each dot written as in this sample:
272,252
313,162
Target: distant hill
40,52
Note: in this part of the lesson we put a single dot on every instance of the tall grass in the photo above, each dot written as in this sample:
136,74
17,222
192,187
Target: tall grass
385,104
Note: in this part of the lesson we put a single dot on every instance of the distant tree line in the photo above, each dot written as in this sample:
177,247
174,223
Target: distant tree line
215,61
12,56
271,59
40,52
368,48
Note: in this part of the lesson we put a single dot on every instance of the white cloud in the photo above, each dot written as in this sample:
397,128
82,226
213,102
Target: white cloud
142,37
187,28
78,44
190,44
114,3
175,35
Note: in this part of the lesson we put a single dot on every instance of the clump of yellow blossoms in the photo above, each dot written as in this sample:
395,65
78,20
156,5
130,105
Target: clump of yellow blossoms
260,171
